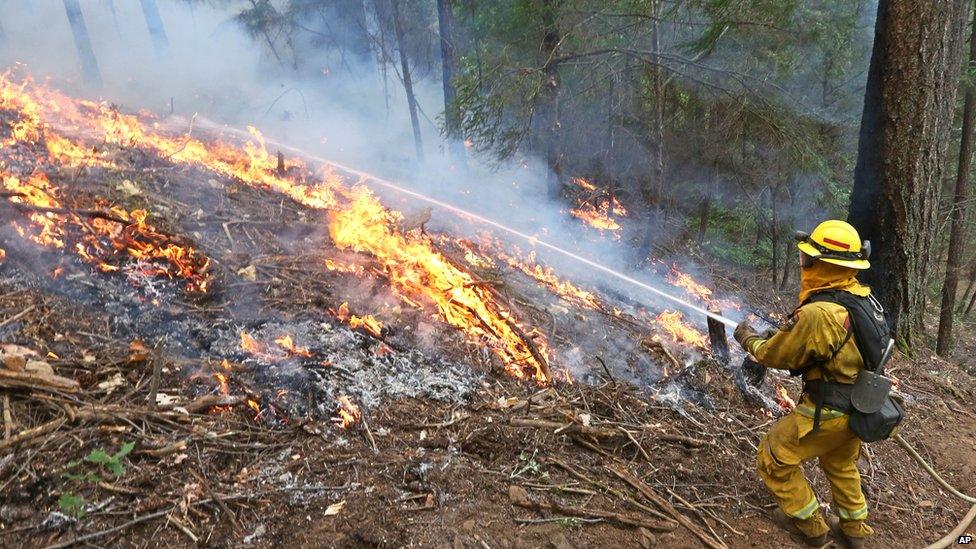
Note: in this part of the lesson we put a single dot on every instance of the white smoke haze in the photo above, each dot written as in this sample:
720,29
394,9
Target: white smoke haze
327,107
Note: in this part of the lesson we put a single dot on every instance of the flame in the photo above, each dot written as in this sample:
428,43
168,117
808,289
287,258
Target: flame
286,343
784,400
356,219
599,211
348,413
367,323
671,322
222,386
547,277
684,280
251,345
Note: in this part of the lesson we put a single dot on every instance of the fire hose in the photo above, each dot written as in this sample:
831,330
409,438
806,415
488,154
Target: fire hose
959,530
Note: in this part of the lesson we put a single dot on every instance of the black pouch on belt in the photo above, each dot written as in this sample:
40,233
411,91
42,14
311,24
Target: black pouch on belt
875,413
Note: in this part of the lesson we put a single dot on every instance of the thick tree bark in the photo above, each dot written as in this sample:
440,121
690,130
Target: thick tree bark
654,194
89,66
155,23
407,81
448,40
908,111
951,285
549,103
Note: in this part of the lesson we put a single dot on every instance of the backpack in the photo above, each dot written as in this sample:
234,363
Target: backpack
873,413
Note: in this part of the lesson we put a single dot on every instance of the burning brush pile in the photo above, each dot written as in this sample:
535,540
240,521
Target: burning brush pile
287,287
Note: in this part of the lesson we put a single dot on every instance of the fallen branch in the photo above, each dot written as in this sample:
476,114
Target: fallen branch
97,214
207,401
32,433
601,432
27,380
653,496
17,316
520,498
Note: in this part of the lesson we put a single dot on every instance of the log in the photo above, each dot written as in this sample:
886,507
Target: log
717,338
27,380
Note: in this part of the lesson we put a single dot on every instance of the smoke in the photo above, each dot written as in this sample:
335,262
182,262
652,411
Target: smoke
321,100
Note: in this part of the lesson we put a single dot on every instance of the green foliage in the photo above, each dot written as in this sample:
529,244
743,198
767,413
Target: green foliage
97,461
72,505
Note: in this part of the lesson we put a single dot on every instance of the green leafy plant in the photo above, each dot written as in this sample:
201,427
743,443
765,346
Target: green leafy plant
72,505
89,471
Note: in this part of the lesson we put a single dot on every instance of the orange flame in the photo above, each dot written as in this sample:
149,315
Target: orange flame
356,219
286,343
250,344
367,323
348,413
672,323
684,280
784,400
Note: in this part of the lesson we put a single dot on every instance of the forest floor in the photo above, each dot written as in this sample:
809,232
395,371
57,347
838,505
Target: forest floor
114,439
513,466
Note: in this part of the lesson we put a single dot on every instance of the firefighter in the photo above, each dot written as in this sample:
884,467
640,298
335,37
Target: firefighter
815,342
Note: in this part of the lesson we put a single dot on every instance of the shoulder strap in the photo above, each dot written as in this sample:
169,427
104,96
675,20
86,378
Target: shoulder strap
868,323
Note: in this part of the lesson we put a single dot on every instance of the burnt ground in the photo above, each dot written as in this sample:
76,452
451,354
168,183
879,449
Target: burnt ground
431,473
657,448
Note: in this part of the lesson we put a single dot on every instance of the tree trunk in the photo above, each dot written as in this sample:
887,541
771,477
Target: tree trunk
657,114
969,289
355,35
110,6
705,209
89,66
774,234
908,111
448,39
407,81
155,23
549,104
949,288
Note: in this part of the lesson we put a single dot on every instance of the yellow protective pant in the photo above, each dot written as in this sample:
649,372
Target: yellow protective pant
789,443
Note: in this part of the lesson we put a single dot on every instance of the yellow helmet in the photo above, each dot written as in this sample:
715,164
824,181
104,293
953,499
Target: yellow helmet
837,242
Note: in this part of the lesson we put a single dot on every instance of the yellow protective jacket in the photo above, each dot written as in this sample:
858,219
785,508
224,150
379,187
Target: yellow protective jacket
816,332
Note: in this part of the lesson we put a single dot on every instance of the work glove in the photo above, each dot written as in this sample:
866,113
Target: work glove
744,334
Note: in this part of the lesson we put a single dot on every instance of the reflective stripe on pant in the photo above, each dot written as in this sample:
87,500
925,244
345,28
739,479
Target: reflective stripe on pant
789,443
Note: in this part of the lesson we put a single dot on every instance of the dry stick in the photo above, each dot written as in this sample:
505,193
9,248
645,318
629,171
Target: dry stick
519,498
8,422
601,432
32,433
97,214
581,477
156,372
122,526
928,468
17,316
694,509
27,380
650,494
953,536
